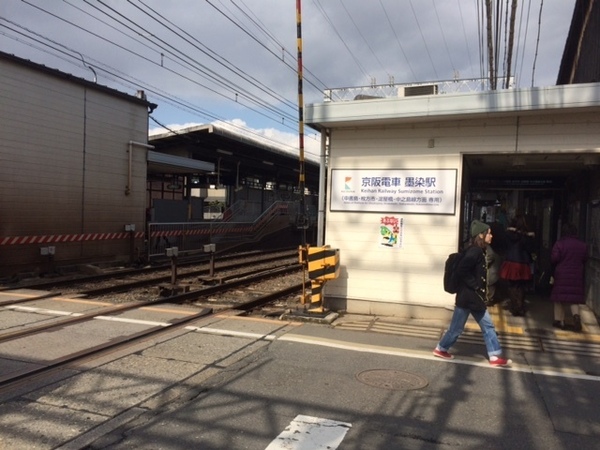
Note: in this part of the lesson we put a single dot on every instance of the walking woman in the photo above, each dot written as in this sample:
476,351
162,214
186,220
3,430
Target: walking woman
516,268
568,258
471,273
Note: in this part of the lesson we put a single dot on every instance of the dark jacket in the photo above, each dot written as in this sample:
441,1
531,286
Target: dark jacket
568,257
519,247
471,273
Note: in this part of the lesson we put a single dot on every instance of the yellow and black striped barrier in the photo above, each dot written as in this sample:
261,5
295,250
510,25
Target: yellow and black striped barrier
322,264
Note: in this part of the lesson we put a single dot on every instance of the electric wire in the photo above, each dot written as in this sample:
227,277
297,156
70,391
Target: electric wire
254,38
211,54
365,40
258,23
240,15
216,77
524,46
505,43
387,16
480,46
335,30
125,80
444,38
424,41
254,101
216,92
537,43
462,21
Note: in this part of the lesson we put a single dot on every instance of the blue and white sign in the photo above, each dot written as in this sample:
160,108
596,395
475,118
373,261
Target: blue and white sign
416,191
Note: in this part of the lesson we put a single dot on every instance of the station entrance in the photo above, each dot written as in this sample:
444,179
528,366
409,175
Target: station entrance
547,189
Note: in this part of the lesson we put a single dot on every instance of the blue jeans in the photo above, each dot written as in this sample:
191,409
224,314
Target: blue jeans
457,326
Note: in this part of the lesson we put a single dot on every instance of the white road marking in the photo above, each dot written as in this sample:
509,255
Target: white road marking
136,321
221,332
548,371
310,433
73,314
43,311
291,337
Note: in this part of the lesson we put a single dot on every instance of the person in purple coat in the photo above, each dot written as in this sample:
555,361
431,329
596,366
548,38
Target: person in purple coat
568,258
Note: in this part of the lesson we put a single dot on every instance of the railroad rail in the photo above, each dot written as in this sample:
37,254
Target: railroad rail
131,272
9,381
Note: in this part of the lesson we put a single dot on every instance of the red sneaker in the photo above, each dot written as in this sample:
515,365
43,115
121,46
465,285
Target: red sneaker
443,355
500,362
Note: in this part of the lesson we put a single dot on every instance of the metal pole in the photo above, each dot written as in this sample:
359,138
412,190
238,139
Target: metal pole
302,181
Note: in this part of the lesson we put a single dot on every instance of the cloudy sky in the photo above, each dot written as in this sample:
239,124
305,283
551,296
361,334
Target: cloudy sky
234,61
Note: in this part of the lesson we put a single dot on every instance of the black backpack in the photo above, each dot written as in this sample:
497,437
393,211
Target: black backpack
450,278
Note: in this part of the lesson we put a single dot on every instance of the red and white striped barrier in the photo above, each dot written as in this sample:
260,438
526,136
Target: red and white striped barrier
58,238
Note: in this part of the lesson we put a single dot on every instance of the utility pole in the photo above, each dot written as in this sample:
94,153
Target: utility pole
511,38
490,44
303,220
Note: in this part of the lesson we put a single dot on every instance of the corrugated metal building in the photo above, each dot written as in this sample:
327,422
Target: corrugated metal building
72,168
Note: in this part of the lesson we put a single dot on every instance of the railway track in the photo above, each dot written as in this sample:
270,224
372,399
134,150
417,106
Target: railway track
144,279
113,276
48,368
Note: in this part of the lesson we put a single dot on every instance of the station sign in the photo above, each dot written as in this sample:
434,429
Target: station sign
415,191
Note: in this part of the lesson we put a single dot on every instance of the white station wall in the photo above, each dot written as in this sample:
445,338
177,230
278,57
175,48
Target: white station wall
373,276
379,280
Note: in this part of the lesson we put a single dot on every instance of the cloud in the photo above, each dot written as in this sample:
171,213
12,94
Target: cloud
228,61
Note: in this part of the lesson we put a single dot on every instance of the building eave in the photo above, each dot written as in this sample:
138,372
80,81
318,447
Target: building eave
76,80
457,106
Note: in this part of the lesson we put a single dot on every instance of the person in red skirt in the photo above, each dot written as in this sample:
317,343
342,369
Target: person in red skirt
516,267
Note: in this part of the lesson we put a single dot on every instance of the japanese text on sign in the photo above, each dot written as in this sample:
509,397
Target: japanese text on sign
420,191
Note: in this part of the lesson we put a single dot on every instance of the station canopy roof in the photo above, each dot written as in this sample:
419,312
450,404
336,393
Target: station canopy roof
227,157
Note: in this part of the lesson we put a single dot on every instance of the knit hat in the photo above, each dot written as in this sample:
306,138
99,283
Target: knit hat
478,227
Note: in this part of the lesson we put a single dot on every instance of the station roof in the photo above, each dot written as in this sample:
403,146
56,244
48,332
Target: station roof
459,106
556,100
235,156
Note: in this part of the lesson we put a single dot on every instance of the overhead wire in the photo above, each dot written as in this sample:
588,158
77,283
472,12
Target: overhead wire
537,43
423,38
444,38
365,41
139,55
462,21
497,27
163,67
524,46
254,38
511,38
114,73
210,53
335,30
126,79
211,74
243,88
480,41
387,16
258,23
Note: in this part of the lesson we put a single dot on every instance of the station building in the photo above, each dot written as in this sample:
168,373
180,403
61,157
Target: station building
411,166
407,175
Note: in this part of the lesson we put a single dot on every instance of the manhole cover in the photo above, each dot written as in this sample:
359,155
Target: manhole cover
392,379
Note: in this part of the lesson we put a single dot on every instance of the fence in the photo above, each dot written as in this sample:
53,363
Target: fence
192,236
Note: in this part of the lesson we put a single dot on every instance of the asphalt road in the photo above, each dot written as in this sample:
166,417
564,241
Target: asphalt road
387,391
